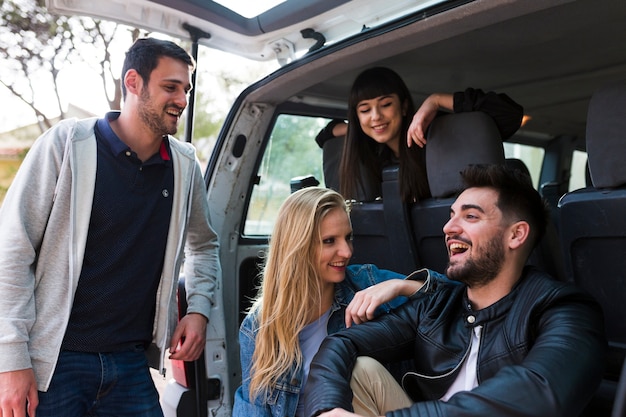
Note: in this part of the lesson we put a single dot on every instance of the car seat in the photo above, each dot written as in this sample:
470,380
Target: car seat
548,254
454,142
331,158
381,229
619,408
332,150
593,221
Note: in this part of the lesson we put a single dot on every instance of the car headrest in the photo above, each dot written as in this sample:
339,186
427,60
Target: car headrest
516,163
606,136
456,141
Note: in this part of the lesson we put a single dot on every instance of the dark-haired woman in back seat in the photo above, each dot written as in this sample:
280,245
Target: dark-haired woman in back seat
383,125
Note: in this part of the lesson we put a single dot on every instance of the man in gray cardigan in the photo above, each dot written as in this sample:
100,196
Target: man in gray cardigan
95,228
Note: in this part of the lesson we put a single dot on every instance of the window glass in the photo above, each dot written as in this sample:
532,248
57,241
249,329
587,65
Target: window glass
290,152
531,155
578,171
249,9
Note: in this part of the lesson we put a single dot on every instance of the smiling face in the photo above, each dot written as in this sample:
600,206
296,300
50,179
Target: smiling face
163,99
381,119
336,246
475,237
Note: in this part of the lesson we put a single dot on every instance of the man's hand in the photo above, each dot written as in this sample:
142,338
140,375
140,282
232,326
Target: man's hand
189,338
18,393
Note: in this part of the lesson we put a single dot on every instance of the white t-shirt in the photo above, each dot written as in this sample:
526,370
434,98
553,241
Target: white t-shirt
467,379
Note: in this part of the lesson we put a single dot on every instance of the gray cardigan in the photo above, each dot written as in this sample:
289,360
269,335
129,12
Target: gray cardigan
43,229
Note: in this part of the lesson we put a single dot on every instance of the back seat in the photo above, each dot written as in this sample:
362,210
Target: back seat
454,141
404,237
381,231
548,252
593,225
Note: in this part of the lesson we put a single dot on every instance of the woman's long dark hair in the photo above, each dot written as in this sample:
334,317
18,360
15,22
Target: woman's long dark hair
363,158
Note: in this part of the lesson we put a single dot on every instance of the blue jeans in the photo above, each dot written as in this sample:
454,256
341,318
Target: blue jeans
101,384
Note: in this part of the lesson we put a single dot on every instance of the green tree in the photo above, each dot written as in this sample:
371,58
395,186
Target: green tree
294,146
217,87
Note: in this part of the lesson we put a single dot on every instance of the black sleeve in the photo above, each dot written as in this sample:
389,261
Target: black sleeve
392,335
503,109
327,133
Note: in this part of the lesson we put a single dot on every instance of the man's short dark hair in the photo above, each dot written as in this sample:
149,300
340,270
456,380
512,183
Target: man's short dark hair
517,198
143,56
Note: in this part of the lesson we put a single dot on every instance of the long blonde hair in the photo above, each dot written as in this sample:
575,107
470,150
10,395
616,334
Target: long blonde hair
291,287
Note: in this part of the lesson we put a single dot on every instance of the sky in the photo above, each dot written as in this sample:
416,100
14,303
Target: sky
81,86
74,85
248,8
14,112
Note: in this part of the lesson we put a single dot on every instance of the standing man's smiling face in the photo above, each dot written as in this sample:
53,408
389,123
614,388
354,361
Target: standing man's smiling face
163,99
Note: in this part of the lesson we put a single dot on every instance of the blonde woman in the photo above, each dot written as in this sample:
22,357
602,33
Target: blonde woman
308,291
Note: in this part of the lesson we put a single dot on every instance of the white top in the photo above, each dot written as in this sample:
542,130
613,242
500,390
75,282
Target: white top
310,339
467,379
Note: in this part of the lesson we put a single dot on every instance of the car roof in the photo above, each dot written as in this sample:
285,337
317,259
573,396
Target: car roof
550,56
274,33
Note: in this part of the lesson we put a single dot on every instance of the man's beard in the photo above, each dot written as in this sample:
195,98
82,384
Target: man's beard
151,117
482,269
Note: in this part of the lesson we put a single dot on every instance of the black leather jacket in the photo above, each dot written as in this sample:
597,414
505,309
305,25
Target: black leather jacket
542,351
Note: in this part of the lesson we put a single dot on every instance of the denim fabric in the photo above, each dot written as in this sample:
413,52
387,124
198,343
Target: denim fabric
115,384
283,401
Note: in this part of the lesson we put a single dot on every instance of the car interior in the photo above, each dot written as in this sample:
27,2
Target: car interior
547,61
592,221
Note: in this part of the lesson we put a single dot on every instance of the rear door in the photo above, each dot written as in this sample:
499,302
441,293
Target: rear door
260,30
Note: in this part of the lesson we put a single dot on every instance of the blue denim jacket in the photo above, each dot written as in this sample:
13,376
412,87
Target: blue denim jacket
284,399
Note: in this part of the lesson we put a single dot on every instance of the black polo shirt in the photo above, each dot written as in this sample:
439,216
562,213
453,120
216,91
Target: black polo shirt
114,304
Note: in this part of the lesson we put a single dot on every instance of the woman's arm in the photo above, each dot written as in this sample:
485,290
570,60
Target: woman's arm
505,112
425,115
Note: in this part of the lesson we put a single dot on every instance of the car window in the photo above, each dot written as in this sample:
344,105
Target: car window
290,152
578,176
249,9
531,155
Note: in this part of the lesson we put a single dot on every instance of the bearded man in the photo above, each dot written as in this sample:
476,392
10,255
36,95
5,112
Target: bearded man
494,338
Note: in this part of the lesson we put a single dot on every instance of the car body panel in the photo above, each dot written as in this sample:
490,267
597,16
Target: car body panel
274,34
